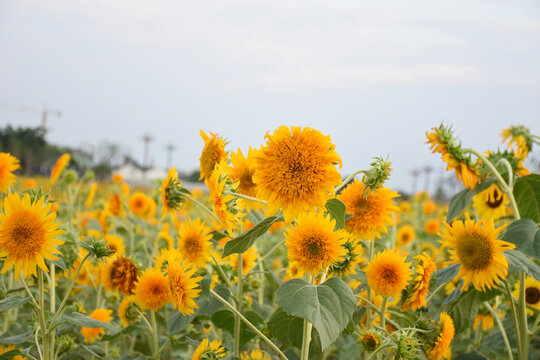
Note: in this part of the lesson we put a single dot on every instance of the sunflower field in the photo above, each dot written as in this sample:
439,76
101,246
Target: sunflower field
276,256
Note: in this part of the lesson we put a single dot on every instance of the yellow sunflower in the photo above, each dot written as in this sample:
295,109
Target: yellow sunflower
432,227
117,178
91,195
115,243
294,271
486,320
388,273
255,355
166,256
59,166
371,210
418,290
223,204
8,348
532,293
242,172
8,164
115,206
139,203
128,310
474,245
124,275
213,153
194,243
491,203
91,334
28,234
209,350
171,195
429,207
296,170
519,136
370,340
446,334
313,244
405,235
152,290
30,184
183,287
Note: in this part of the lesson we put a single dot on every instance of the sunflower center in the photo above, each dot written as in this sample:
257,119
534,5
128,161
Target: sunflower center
192,244
495,200
246,181
313,246
405,237
24,233
532,295
475,251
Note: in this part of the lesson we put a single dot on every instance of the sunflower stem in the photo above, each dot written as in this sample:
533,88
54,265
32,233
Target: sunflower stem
245,197
42,321
435,292
514,316
349,178
306,331
34,302
261,259
501,328
154,334
509,169
371,250
222,273
249,324
203,207
239,295
52,303
524,329
383,307
380,348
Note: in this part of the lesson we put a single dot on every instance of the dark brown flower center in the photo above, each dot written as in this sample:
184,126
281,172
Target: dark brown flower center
496,200
475,251
532,295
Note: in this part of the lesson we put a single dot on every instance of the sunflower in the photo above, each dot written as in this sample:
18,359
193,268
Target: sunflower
294,271
171,193
388,273
351,259
91,195
371,210
209,350
115,205
8,348
432,227
117,178
129,310
429,207
152,290
138,203
224,205
532,293
30,184
519,136
8,164
124,275
446,334
183,287
91,334
28,234
296,171
474,245
166,256
491,203
164,237
115,243
405,235
486,320
418,289
370,340
313,244
242,172
255,355
59,166
194,243
213,153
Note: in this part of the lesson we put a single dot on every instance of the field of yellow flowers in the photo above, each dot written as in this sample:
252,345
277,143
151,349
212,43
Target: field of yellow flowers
277,257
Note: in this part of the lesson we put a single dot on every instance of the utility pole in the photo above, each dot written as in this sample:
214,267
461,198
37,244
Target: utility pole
415,173
427,169
147,139
170,149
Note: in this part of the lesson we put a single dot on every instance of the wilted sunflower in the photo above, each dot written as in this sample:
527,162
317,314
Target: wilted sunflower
474,245
370,340
532,293
152,290
8,164
242,172
371,210
418,289
296,170
405,235
388,273
255,355
59,166
213,153
446,334
313,244
139,203
171,194
491,203
519,136
209,350
124,275
183,287
129,310
28,234
224,205
486,319
194,243
91,334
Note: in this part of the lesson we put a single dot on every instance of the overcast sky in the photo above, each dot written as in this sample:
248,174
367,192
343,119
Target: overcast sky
374,75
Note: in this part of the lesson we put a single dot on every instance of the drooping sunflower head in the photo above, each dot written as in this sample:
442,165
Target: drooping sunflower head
416,292
474,245
213,153
313,244
371,211
139,203
491,203
296,170
59,166
405,235
209,350
124,275
532,292
91,334
242,173
255,355
28,234
519,136
485,318
183,287
171,193
445,337
194,243
152,290
500,159
224,205
370,340
388,273
8,164
352,258
129,310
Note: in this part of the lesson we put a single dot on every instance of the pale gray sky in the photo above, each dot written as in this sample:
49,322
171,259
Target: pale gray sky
374,75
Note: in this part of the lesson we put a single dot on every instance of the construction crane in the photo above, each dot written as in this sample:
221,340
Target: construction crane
45,113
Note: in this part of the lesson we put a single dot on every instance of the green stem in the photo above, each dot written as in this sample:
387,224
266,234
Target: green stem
435,292
523,329
514,316
380,348
34,302
154,335
203,207
42,320
227,281
349,178
501,328
249,324
277,246
245,197
509,170
371,253
306,331
52,304
383,307
239,295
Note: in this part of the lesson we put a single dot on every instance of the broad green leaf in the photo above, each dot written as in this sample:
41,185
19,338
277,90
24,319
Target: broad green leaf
446,274
522,233
460,201
209,305
527,195
218,235
289,330
224,319
60,263
337,208
17,339
521,261
328,306
8,355
12,302
244,241
463,310
79,319
113,335
470,356
94,350
178,322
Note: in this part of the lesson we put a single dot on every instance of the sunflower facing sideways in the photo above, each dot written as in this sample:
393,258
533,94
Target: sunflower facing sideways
532,293
59,166
446,334
474,245
28,234
183,287
213,153
491,203
223,204
296,170
8,164
209,350
242,172
171,194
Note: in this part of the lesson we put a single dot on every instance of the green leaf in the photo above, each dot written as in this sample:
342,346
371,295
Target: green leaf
10,354
60,263
521,261
460,201
527,195
94,350
224,319
328,306
446,274
288,329
244,241
337,208
113,335
178,322
523,233
16,339
12,302
79,319
470,356
209,305
463,310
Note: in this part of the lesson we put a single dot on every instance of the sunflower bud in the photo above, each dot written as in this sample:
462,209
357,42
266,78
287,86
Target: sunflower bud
407,346
65,343
70,176
378,173
98,248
